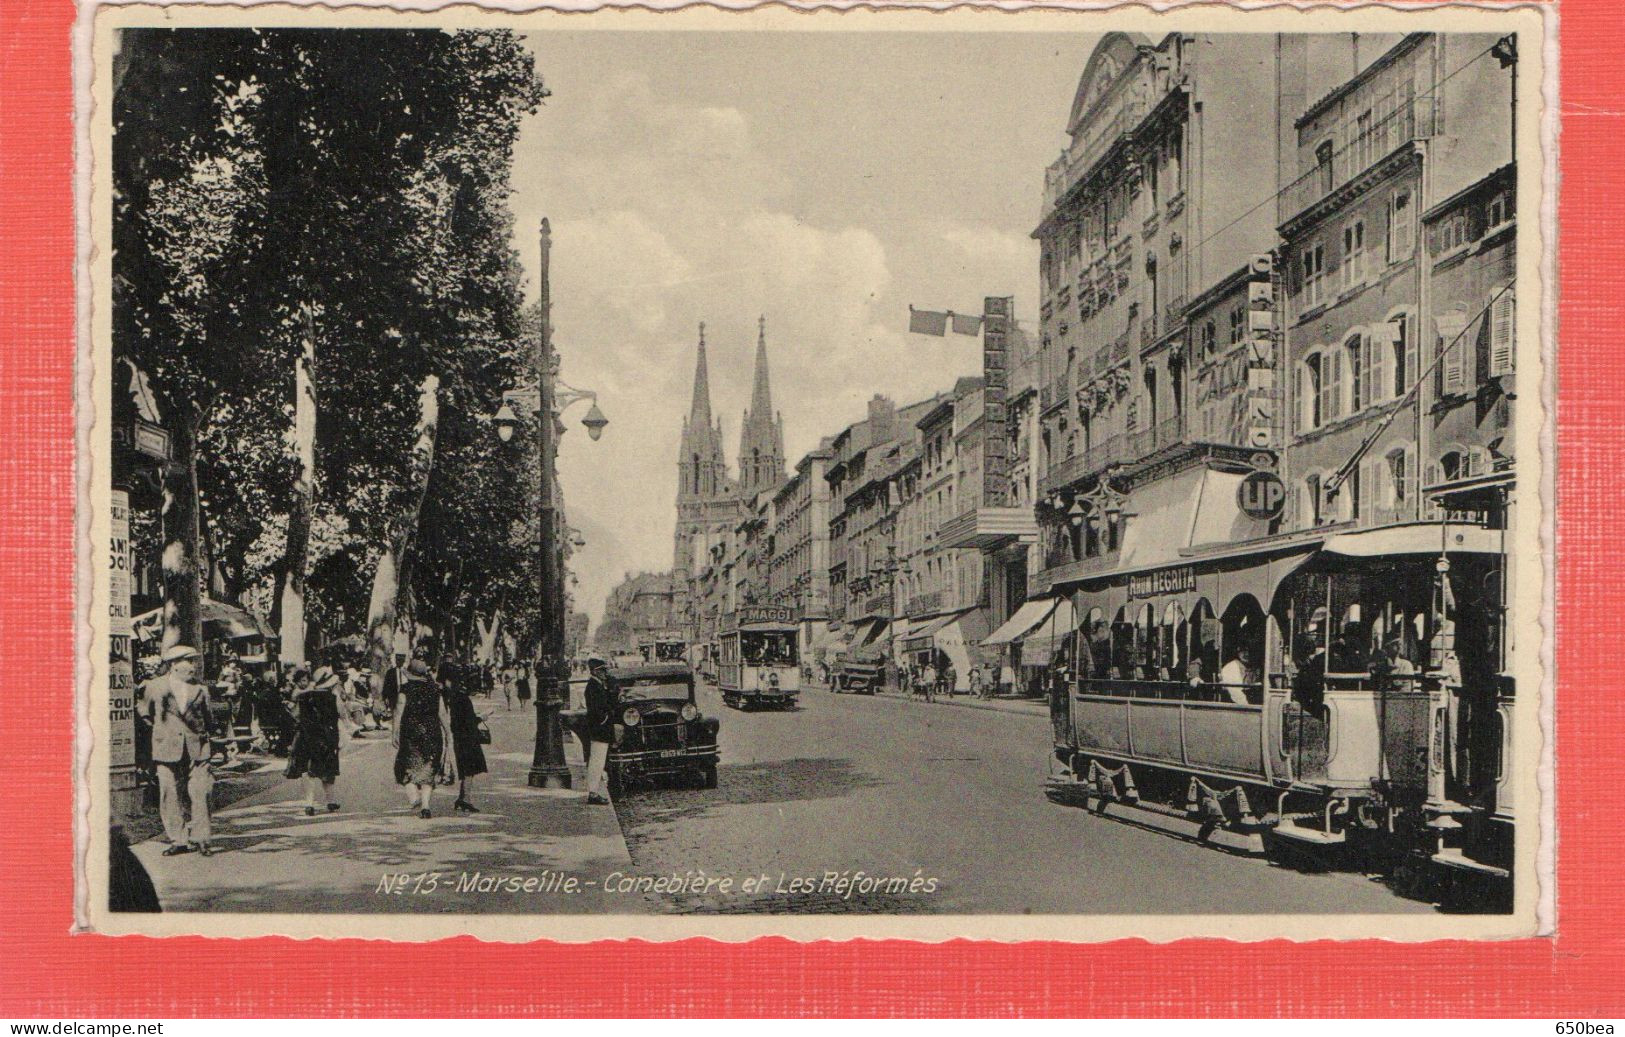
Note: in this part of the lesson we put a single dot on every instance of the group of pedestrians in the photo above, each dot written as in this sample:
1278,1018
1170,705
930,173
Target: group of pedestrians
434,728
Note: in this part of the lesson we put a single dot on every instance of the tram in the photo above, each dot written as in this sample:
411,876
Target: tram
1344,692
758,663
664,646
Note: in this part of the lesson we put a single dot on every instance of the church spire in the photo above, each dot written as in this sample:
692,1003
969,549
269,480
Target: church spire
761,397
761,439
699,412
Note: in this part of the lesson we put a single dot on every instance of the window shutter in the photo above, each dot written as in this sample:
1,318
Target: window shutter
1411,487
1366,386
1413,369
1381,345
1501,335
1333,383
1401,227
1430,477
1454,345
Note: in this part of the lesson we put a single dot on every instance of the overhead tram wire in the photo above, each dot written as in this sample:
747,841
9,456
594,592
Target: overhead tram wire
1459,69
1340,476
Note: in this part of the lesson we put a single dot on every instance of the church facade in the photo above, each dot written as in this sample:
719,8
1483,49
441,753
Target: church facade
710,501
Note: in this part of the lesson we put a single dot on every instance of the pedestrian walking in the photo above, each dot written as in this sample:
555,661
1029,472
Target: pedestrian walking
929,680
950,679
468,732
394,678
522,686
177,706
314,757
420,736
505,681
600,728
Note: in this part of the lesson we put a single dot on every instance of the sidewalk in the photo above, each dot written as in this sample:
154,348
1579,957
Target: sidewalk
273,858
1031,707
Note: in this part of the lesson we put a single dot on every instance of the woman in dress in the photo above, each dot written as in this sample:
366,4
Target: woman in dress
465,732
421,761
314,756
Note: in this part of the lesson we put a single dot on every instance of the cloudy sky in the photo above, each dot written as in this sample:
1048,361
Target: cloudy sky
825,181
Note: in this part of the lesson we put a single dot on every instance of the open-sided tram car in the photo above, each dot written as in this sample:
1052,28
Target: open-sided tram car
1375,717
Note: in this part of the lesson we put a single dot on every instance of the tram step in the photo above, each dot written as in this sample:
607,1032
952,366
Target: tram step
1288,830
1174,822
1454,858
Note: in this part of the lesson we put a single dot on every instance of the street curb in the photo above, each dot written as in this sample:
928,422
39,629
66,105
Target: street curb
1031,708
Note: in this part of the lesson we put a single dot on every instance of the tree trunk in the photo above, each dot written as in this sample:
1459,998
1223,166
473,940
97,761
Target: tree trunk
383,610
181,561
292,610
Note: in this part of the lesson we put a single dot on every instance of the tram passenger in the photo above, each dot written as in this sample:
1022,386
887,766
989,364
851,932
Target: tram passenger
1309,656
1348,653
1390,663
1239,676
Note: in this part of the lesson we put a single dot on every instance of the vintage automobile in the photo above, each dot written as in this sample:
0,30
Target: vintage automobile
659,730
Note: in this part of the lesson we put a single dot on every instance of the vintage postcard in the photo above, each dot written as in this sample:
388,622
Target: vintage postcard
1042,474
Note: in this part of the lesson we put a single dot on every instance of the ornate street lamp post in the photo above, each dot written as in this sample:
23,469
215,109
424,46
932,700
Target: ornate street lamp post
544,403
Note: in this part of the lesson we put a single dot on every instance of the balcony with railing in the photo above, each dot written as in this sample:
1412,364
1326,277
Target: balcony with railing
987,527
1147,441
1341,167
1066,471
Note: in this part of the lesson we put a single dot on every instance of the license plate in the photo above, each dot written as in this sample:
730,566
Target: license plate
666,754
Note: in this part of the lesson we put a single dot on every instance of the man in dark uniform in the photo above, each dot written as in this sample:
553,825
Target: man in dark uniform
601,698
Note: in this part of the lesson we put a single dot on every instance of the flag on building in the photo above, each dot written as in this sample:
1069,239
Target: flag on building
927,322
966,323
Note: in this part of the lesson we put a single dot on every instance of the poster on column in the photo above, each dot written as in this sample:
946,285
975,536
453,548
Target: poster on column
121,670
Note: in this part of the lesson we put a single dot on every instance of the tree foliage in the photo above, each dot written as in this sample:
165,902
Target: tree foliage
360,178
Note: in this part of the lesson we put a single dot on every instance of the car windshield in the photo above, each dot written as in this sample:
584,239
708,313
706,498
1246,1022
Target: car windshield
654,689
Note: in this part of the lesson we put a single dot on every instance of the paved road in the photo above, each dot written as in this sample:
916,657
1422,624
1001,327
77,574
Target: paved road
898,788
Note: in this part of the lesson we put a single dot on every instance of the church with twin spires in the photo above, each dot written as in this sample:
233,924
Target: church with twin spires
709,500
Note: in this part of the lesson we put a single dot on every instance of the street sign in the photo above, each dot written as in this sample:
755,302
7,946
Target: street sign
151,440
1261,496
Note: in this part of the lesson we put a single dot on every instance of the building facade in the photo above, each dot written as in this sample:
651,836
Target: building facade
798,574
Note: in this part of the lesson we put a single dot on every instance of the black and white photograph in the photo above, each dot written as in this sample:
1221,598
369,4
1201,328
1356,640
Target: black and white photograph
632,474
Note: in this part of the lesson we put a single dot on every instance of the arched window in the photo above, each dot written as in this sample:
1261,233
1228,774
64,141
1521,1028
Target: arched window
1399,340
1204,641
1173,641
1145,639
1359,393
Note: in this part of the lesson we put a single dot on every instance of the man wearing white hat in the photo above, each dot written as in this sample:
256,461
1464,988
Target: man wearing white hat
178,707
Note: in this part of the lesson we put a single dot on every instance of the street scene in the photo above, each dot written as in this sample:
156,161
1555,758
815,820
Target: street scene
580,472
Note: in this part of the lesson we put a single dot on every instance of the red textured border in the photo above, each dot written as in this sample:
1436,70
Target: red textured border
46,972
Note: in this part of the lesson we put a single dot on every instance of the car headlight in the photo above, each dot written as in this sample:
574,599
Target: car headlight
631,718
690,711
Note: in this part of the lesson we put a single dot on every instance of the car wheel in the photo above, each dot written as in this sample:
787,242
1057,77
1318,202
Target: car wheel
708,776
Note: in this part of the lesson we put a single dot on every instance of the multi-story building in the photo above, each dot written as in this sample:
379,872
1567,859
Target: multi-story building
641,605
798,575
946,620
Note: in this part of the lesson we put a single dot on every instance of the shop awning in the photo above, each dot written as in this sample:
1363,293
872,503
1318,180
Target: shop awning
1029,615
868,632
923,639
1050,635
1415,538
1164,515
1219,518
